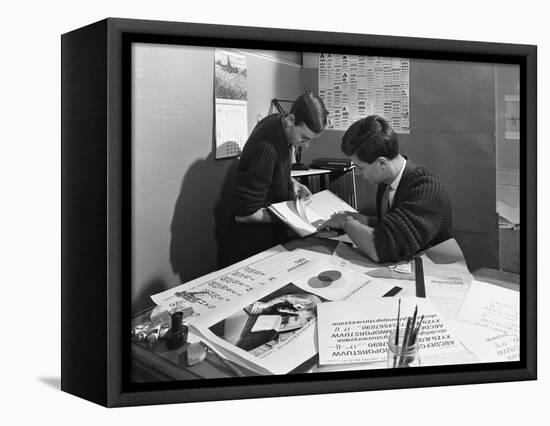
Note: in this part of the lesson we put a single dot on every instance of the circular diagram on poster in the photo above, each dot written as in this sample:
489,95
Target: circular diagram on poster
330,278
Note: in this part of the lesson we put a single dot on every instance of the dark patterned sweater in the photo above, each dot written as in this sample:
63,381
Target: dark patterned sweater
263,172
419,217
262,177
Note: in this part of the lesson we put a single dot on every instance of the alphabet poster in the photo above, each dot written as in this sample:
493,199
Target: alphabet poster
353,87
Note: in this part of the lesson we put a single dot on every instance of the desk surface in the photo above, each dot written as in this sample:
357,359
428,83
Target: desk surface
162,364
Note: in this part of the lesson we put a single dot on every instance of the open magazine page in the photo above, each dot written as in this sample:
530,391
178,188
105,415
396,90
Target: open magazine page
288,213
325,203
305,218
273,334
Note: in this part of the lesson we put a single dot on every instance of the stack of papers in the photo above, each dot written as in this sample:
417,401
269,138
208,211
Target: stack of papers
274,311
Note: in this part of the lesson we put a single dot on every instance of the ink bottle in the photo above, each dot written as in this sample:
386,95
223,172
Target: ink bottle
176,337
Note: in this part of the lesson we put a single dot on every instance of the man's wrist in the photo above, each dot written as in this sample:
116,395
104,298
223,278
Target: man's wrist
347,220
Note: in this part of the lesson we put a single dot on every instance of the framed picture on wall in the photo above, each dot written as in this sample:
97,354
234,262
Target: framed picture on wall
198,264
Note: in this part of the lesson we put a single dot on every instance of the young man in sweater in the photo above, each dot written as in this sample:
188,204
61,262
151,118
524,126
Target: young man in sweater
413,206
263,177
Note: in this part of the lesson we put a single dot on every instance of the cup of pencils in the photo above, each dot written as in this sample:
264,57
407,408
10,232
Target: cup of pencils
403,341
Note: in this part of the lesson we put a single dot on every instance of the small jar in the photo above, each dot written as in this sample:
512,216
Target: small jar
399,356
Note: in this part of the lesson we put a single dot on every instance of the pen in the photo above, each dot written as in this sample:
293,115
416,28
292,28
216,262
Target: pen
413,323
403,343
417,329
397,331
397,327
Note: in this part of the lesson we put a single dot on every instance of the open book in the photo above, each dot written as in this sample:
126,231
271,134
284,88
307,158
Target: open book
306,218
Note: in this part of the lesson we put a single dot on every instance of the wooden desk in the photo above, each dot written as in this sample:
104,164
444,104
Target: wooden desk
161,364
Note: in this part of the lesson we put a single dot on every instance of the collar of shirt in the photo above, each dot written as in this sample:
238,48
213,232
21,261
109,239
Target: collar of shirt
395,183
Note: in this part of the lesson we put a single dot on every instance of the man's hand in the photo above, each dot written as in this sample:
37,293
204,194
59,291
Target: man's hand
336,221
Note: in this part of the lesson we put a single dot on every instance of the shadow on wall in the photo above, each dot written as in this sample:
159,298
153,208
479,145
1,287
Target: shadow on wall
201,214
143,300
223,211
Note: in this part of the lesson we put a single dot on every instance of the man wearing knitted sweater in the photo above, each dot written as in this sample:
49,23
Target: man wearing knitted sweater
263,178
413,206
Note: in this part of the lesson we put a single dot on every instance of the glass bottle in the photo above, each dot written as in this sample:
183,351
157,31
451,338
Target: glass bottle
400,356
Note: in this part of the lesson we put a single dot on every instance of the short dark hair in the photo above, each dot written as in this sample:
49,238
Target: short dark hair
310,110
370,138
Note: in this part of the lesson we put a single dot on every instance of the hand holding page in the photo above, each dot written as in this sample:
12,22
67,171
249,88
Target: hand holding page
306,217
301,207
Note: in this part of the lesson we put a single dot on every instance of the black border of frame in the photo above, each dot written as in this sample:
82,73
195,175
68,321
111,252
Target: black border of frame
120,34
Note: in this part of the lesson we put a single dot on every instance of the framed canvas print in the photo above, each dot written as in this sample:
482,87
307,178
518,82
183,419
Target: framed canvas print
253,212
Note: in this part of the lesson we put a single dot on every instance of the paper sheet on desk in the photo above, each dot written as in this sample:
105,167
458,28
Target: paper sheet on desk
446,275
219,292
446,283
488,322
491,306
160,298
460,357
446,260
351,258
447,293
333,282
487,344
344,238
358,331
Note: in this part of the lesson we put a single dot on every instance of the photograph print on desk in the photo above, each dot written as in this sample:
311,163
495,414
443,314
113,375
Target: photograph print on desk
181,273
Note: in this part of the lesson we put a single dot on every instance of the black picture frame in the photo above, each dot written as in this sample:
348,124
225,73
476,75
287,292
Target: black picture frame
96,204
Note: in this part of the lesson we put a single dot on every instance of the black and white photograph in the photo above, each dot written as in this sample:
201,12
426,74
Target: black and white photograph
405,218
269,322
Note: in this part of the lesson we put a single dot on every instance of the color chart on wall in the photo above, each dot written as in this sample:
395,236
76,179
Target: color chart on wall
354,87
